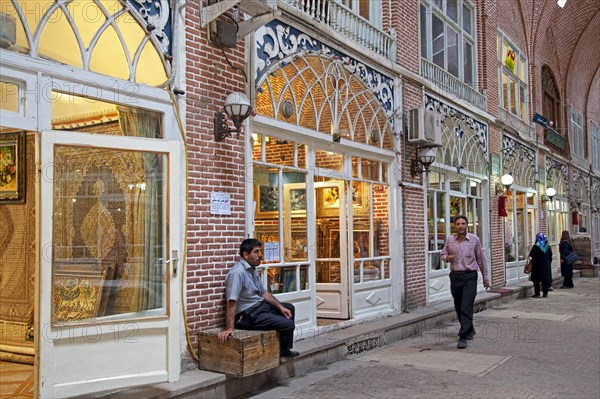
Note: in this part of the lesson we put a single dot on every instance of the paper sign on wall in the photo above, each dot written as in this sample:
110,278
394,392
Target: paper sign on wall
220,204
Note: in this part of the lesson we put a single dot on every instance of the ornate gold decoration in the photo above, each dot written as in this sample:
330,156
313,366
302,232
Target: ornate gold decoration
77,292
98,228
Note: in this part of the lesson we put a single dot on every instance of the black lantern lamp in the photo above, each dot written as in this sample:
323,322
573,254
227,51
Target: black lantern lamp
425,156
237,107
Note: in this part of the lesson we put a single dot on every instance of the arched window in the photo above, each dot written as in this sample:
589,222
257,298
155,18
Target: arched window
106,37
550,97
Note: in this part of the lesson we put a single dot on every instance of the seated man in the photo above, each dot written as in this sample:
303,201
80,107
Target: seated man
250,306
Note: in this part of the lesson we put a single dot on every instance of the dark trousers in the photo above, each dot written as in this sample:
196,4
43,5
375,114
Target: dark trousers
536,287
463,286
266,317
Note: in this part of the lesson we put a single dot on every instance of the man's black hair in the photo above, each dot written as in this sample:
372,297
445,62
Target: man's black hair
248,245
455,218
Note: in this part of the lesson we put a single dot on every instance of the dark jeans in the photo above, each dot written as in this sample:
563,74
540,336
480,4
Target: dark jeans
266,317
463,286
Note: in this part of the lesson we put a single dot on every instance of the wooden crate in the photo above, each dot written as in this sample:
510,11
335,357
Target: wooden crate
246,353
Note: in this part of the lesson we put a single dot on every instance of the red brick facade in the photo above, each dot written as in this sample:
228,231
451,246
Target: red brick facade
565,40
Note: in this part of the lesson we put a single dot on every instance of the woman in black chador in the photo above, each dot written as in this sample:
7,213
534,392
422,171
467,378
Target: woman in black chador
541,258
566,247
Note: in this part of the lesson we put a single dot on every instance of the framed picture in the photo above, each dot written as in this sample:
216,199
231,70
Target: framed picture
267,201
298,249
12,168
361,244
77,291
298,200
328,200
334,244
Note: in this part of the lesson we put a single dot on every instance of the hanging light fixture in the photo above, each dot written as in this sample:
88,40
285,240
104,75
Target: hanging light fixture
561,3
505,182
425,156
237,107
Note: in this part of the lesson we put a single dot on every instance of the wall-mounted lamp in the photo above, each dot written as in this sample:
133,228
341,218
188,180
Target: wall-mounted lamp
505,182
237,106
561,3
424,157
550,192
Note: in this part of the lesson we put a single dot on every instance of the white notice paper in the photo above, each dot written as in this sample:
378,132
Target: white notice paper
271,252
220,204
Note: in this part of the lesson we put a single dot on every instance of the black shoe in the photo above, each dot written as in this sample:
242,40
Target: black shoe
562,286
289,353
471,336
462,343
535,296
545,295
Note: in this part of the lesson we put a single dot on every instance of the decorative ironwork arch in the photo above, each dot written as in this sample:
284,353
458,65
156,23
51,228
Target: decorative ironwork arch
119,38
464,139
519,161
321,93
581,185
556,176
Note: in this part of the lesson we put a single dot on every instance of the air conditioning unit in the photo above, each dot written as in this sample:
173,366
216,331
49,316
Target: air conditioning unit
424,126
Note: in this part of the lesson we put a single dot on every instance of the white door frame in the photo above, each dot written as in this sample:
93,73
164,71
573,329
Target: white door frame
36,78
98,356
333,298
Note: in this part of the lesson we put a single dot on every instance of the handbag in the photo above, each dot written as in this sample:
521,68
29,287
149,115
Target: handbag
571,258
527,268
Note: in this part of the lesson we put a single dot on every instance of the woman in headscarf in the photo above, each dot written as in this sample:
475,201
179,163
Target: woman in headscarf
541,259
565,247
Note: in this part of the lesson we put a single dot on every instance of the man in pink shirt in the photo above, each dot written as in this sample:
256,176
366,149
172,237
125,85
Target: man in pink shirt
463,251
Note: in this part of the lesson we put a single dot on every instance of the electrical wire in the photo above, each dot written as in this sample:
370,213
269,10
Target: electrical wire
237,29
183,269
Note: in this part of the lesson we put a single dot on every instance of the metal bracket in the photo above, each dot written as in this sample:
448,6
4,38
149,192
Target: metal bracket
253,24
212,12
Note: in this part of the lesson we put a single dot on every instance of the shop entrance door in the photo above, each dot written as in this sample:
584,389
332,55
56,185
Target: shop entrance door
332,261
110,241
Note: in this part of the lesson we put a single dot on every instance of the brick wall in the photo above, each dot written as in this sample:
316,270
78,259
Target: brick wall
212,241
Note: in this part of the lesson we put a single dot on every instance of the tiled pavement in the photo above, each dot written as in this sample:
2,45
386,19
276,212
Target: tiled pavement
527,348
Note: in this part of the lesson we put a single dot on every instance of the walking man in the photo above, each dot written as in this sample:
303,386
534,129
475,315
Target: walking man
250,306
463,251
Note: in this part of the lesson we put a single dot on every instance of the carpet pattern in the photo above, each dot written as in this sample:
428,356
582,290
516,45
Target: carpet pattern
16,380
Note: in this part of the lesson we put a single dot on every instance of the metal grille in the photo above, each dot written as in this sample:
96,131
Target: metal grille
363,346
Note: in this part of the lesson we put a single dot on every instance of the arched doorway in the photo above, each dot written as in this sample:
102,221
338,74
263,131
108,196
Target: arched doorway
323,136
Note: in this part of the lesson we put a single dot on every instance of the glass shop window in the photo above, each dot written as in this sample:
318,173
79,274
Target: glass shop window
109,229
89,115
370,232
10,95
280,213
368,169
436,226
328,160
278,151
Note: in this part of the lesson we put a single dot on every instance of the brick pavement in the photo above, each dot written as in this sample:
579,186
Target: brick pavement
551,348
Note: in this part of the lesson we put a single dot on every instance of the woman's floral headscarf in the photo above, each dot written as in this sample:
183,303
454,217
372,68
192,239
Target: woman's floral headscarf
542,242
